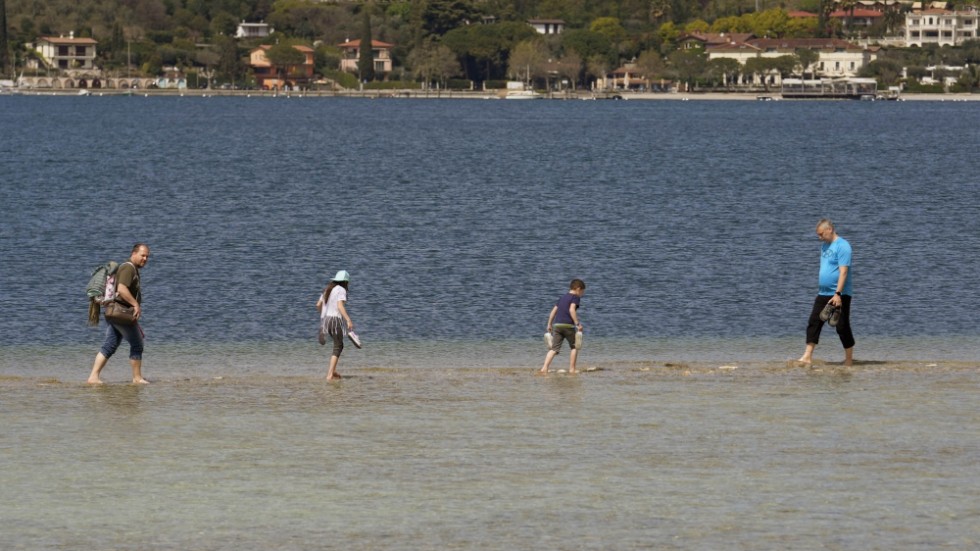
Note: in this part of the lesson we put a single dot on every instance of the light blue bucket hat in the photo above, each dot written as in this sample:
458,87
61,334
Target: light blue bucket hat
342,275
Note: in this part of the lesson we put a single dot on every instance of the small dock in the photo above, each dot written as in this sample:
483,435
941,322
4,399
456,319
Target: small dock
836,88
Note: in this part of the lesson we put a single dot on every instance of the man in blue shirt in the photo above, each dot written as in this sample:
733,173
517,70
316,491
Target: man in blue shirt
835,290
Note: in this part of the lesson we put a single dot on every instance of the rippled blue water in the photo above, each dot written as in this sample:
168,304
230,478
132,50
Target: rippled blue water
460,219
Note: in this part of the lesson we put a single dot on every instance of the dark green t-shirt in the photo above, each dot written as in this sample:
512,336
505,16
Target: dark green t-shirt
128,275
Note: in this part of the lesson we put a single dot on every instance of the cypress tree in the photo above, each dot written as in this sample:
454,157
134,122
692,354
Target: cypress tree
4,46
365,63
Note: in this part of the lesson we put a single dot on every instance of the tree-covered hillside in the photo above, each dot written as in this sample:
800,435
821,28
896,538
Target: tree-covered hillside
434,40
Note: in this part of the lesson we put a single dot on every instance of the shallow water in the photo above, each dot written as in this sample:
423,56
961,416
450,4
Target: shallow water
628,457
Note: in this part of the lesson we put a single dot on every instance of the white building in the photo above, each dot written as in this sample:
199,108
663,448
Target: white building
836,58
941,27
67,53
547,26
253,30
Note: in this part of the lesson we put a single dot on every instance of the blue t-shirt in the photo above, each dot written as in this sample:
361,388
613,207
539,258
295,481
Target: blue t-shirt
564,305
832,257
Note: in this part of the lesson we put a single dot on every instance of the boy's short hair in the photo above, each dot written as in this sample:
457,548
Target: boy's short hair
576,284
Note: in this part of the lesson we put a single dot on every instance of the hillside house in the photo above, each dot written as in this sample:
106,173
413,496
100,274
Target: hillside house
63,53
380,54
270,77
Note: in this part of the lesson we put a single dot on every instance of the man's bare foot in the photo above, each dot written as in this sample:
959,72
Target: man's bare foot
805,361
573,372
95,381
140,381
334,376
542,371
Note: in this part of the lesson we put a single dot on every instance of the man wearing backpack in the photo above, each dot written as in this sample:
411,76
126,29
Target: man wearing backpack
127,292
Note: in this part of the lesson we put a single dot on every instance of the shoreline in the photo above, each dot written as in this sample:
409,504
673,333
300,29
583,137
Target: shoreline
482,95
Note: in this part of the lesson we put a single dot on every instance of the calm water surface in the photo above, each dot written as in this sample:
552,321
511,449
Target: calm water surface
461,222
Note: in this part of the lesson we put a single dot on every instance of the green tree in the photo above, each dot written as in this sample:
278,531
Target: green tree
439,17
761,67
886,71
230,67
569,66
209,59
5,57
785,65
484,49
433,62
687,65
969,79
365,62
611,28
805,58
668,34
723,70
283,57
528,60
587,44
597,66
697,26
651,65
769,23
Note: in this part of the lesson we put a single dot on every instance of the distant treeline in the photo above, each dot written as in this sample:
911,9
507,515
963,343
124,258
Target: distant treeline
434,40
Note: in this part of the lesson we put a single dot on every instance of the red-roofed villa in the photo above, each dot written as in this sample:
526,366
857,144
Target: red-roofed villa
380,53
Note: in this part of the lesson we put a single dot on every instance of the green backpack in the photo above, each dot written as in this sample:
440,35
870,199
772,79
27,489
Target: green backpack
96,289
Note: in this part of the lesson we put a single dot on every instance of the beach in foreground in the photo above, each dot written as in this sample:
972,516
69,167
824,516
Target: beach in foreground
632,457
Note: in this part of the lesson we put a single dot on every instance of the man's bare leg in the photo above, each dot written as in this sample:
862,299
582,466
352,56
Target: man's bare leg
137,372
100,361
573,356
848,356
547,361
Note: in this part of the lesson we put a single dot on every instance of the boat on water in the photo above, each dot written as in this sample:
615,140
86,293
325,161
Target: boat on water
523,94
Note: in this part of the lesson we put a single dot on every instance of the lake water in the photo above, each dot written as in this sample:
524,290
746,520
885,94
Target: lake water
461,221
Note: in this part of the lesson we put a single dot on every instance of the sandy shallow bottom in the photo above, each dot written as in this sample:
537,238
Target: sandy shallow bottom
636,454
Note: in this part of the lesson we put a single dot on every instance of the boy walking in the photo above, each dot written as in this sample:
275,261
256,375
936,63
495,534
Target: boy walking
563,322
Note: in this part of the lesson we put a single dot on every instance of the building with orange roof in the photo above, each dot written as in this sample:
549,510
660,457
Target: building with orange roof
380,54
270,77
